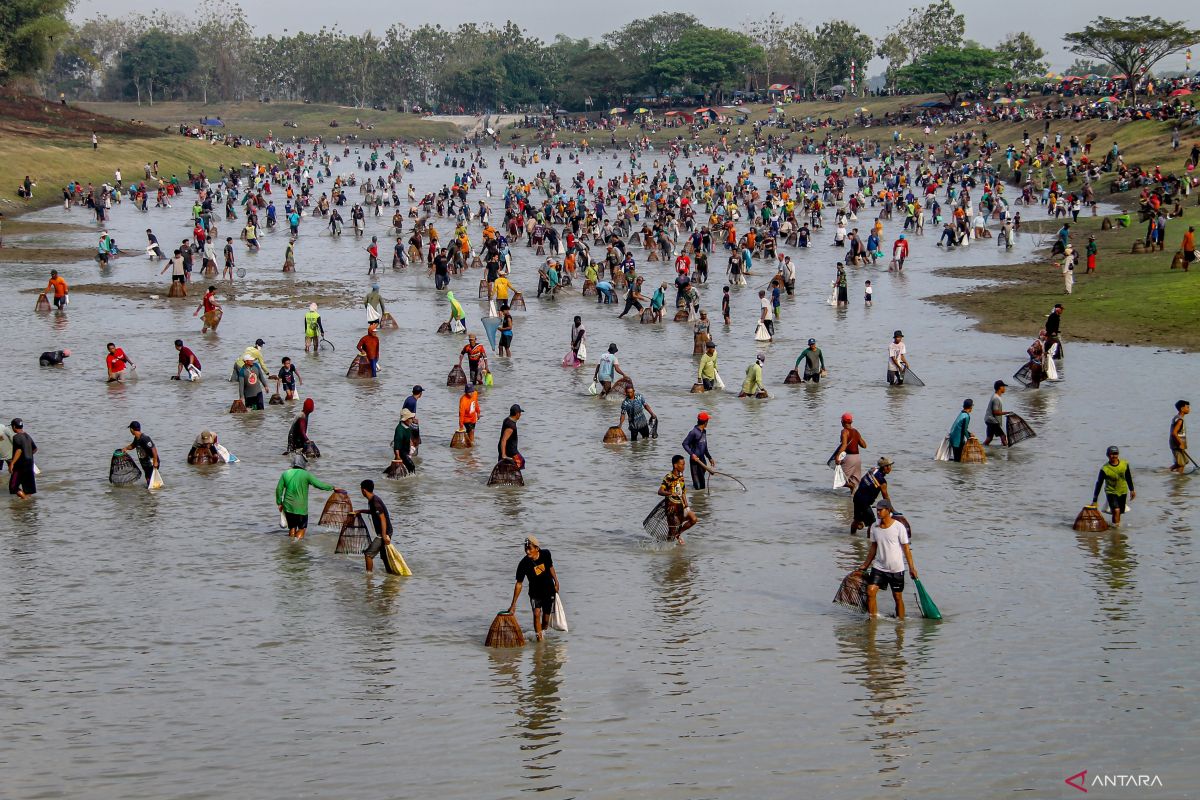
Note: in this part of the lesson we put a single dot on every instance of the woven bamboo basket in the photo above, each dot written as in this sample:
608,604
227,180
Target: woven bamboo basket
456,376
388,323
615,435
1017,429
42,304
177,290
1090,520
973,452
123,469
276,400
505,473
589,288
203,455
792,377
459,440
444,327
353,537
698,388
681,315
504,632
699,343
238,407
853,591
647,316
620,386
396,470
338,510
360,367
517,298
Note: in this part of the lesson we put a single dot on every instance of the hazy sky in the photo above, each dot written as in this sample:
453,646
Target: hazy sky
987,22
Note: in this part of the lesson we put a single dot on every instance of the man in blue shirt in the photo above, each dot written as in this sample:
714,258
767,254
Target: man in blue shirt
959,431
695,444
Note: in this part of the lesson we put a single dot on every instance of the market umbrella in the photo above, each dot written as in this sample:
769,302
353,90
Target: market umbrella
1021,100
641,111
862,110
618,110
1180,92
964,104
1004,101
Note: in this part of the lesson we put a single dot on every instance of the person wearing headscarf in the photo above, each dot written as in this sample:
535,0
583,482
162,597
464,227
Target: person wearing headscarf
374,304
298,441
753,386
850,443
291,495
313,329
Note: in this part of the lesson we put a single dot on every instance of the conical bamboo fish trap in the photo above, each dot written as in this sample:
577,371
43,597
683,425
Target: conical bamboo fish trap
177,289
353,537
42,304
459,440
681,315
276,400
647,316
853,591
338,510
1017,429
615,435
792,377
505,473
1090,520
456,377
238,407
618,389
360,367
698,388
123,470
396,470
388,323
444,327
973,452
504,632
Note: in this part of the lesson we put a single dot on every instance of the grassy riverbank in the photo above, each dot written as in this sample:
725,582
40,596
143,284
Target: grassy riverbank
254,119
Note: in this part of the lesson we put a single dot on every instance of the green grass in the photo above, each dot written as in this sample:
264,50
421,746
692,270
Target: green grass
255,119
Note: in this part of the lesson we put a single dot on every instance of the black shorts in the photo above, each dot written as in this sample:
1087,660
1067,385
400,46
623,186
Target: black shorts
469,427
863,512
505,339
885,580
546,604
994,429
643,431
178,278
1116,502
374,548
255,402
296,522
895,378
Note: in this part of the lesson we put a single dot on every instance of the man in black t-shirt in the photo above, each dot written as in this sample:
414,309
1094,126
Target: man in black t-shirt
380,519
507,446
53,358
538,567
147,453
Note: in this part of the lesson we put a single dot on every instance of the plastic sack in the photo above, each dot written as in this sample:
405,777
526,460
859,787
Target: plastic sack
488,380
839,477
594,389
156,481
929,609
1051,369
717,382
283,520
582,352
943,452
558,617
760,333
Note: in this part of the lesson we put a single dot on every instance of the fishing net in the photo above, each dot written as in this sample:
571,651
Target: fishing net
1024,375
505,473
396,470
123,469
792,377
929,609
615,435
456,377
911,379
354,536
972,452
1017,429
504,632
311,450
656,524
853,591
1090,520
338,510
360,367
491,326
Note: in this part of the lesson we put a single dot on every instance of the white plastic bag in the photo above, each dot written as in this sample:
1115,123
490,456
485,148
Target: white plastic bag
943,452
839,477
1051,369
558,617
156,481
283,520
225,455
373,314
717,382
193,374
582,352
760,333
594,389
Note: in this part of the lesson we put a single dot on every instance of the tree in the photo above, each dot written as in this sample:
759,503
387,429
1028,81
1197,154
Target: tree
1133,45
708,58
644,42
1022,56
28,33
1084,67
157,60
954,70
770,33
805,56
894,49
839,44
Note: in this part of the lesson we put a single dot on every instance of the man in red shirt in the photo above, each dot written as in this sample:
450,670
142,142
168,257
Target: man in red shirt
369,346
476,356
187,361
211,308
116,362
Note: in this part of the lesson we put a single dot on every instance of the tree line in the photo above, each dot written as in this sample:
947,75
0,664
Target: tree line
215,55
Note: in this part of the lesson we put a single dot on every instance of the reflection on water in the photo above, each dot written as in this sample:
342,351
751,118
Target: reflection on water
1114,566
532,682
875,657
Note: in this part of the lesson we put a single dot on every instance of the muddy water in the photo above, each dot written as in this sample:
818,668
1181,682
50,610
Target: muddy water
177,645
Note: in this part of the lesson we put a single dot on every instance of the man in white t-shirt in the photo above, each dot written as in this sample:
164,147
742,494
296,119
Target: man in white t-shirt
887,558
897,359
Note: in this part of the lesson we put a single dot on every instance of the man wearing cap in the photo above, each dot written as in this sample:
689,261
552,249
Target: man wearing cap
897,359
23,480
410,404
368,347
147,452
1117,480
313,329
187,362
993,420
507,446
291,495
753,385
468,412
706,374
251,379
404,438
960,431
538,566
695,444
476,357
886,558
814,363
374,304
607,368
872,485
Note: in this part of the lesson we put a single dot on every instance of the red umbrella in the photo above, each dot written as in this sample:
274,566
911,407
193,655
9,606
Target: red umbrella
1180,92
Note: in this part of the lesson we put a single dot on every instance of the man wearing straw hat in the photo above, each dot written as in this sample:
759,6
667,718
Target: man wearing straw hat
538,566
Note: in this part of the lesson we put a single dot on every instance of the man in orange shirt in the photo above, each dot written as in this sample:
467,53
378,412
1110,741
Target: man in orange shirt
476,357
59,286
369,346
468,412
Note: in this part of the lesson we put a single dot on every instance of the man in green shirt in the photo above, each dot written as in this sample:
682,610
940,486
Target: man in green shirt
814,363
707,373
402,440
291,495
1117,480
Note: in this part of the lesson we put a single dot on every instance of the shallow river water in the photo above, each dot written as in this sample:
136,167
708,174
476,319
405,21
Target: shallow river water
177,644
